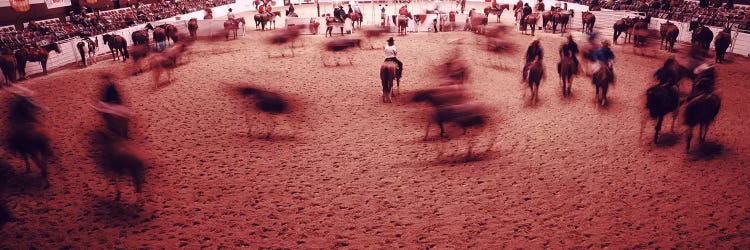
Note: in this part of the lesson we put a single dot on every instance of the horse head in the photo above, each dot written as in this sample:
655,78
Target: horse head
149,27
52,47
694,25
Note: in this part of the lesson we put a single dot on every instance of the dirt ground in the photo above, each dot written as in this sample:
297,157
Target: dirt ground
564,173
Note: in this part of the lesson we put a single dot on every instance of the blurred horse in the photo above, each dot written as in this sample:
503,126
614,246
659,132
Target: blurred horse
547,18
402,22
536,73
333,22
661,100
8,65
721,44
288,35
267,102
601,79
87,48
141,36
668,32
25,134
118,46
530,21
36,53
477,21
165,62
115,115
160,38
701,110
340,46
170,31
387,75
566,71
588,20
117,158
374,32
193,28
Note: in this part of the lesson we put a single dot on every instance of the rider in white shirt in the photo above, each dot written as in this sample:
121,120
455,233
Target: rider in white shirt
230,15
390,55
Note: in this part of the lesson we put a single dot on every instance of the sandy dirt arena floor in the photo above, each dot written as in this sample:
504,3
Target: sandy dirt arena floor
349,171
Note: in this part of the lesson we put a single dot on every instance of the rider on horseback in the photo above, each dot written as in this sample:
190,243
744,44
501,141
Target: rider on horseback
404,12
705,79
390,55
495,6
533,52
230,15
604,56
569,49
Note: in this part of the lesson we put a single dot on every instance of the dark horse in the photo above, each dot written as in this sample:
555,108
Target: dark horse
141,36
536,73
231,26
661,100
640,33
387,75
620,26
193,28
116,158
566,71
160,38
25,135
8,65
530,21
261,19
668,32
588,19
601,80
702,35
721,44
267,102
170,31
118,46
35,54
700,110
562,18
341,46
489,10
116,116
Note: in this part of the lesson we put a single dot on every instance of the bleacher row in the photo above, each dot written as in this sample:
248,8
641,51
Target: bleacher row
57,30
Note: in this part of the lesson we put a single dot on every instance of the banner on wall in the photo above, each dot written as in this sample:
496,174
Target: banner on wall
51,4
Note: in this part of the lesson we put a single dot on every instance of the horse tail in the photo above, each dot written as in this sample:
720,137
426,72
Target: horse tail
125,50
81,52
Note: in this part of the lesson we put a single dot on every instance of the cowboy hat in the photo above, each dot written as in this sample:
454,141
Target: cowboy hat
703,67
389,39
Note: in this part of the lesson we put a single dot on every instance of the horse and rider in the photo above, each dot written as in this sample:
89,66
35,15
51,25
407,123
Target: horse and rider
533,53
570,50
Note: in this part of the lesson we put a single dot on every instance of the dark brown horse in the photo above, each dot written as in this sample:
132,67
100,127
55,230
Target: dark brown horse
139,52
640,34
141,36
588,20
530,21
701,110
721,44
193,28
547,17
601,80
566,70
35,54
261,19
26,135
160,38
8,65
117,158
118,46
402,22
170,31
661,100
387,75
536,73
562,18
702,35
668,32
620,26
267,102
286,36
231,26
489,10
356,19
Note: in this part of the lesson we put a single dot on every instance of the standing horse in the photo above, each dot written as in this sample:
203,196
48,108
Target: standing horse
702,36
35,54
356,17
87,47
170,31
668,32
566,71
141,36
402,22
489,10
118,46
333,22
477,21
562,18
536,73
547,17
8,65
588,19
193,28
601,80
640,34
160,38
231,26
661,100
620,26
721,44
387,74
530,21
25,135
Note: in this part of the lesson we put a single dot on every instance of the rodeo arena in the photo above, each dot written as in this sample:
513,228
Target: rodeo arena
319,124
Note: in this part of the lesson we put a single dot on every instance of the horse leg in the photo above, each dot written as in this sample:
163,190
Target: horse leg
427,130
26,160
658,128
42,164
689,137
705,132
570,83
604,95
117,188
674,117
44,66
442,129
271,118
